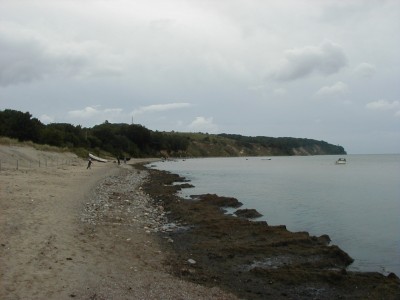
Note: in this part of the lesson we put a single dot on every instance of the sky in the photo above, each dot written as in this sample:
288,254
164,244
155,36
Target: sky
324,70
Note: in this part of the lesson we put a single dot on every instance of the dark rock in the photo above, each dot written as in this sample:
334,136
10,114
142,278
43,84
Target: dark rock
219,201
185,186
248,213
324,239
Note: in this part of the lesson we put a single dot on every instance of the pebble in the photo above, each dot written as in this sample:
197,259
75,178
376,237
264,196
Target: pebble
131,207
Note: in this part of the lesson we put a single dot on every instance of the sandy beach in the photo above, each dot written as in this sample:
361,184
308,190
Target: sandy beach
71,232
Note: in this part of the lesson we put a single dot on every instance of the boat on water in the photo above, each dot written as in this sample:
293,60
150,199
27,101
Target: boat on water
341,161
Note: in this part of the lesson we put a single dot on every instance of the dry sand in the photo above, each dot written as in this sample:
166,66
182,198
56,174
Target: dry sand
61,238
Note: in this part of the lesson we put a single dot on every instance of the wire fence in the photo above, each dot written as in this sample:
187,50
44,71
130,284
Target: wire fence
22,164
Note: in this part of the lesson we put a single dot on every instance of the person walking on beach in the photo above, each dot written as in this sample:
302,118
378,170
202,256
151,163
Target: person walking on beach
89,163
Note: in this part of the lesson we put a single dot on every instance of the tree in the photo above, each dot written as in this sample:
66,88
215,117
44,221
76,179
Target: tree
19,125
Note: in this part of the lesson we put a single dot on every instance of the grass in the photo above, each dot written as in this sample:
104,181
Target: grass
79,151
14,142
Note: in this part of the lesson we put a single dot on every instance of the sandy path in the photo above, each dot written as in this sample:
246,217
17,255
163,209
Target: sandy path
59,241
40,229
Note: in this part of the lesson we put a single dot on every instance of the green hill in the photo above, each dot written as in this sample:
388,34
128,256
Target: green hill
133,140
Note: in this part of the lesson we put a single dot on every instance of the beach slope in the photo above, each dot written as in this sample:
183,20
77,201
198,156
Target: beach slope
71,232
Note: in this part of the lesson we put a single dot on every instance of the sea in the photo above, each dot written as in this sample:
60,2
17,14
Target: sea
357,204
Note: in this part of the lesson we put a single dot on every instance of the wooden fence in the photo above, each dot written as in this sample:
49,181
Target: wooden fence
17,164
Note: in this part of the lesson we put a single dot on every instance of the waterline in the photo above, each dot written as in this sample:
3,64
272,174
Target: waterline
356,204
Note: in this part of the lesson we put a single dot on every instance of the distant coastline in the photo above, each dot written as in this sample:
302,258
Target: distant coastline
123,140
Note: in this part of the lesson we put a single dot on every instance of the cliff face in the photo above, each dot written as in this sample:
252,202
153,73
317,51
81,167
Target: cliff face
224,146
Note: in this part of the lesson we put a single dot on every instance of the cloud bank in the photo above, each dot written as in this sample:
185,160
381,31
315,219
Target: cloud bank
27,56
245,63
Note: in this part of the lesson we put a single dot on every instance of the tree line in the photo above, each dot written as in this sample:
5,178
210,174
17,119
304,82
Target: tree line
131,140
134,140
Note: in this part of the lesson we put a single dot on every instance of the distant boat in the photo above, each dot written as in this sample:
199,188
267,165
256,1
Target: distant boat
341,161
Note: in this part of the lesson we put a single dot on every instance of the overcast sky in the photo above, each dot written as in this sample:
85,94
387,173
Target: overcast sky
326,70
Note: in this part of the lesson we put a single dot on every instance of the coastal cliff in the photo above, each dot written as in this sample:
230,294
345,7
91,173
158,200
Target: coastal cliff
221,145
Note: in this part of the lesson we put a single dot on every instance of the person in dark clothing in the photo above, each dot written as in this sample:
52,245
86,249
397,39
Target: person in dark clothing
89,163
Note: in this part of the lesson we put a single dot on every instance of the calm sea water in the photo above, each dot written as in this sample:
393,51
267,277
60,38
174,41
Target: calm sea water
357,204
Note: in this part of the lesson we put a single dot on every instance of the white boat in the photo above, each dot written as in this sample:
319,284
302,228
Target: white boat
97,158
341,161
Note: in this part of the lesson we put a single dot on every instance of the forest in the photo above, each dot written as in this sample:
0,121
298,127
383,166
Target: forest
134,140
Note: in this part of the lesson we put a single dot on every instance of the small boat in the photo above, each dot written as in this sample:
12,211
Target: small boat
341,161
97,158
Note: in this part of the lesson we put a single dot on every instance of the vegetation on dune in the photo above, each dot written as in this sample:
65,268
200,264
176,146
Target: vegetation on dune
133,140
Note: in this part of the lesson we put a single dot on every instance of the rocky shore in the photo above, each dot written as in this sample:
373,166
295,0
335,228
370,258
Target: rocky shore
252,259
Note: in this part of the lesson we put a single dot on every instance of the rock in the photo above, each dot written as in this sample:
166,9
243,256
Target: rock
191,261
185,186
324,239
219,201
393,276
248,213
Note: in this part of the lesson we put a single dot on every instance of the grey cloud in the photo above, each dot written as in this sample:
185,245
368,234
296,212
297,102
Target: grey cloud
325,59
25,56
21,61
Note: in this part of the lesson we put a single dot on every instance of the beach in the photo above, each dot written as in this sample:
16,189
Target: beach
68,232
121,232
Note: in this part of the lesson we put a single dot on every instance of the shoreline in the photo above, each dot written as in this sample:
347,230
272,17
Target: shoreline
68,232
120,232
254,260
